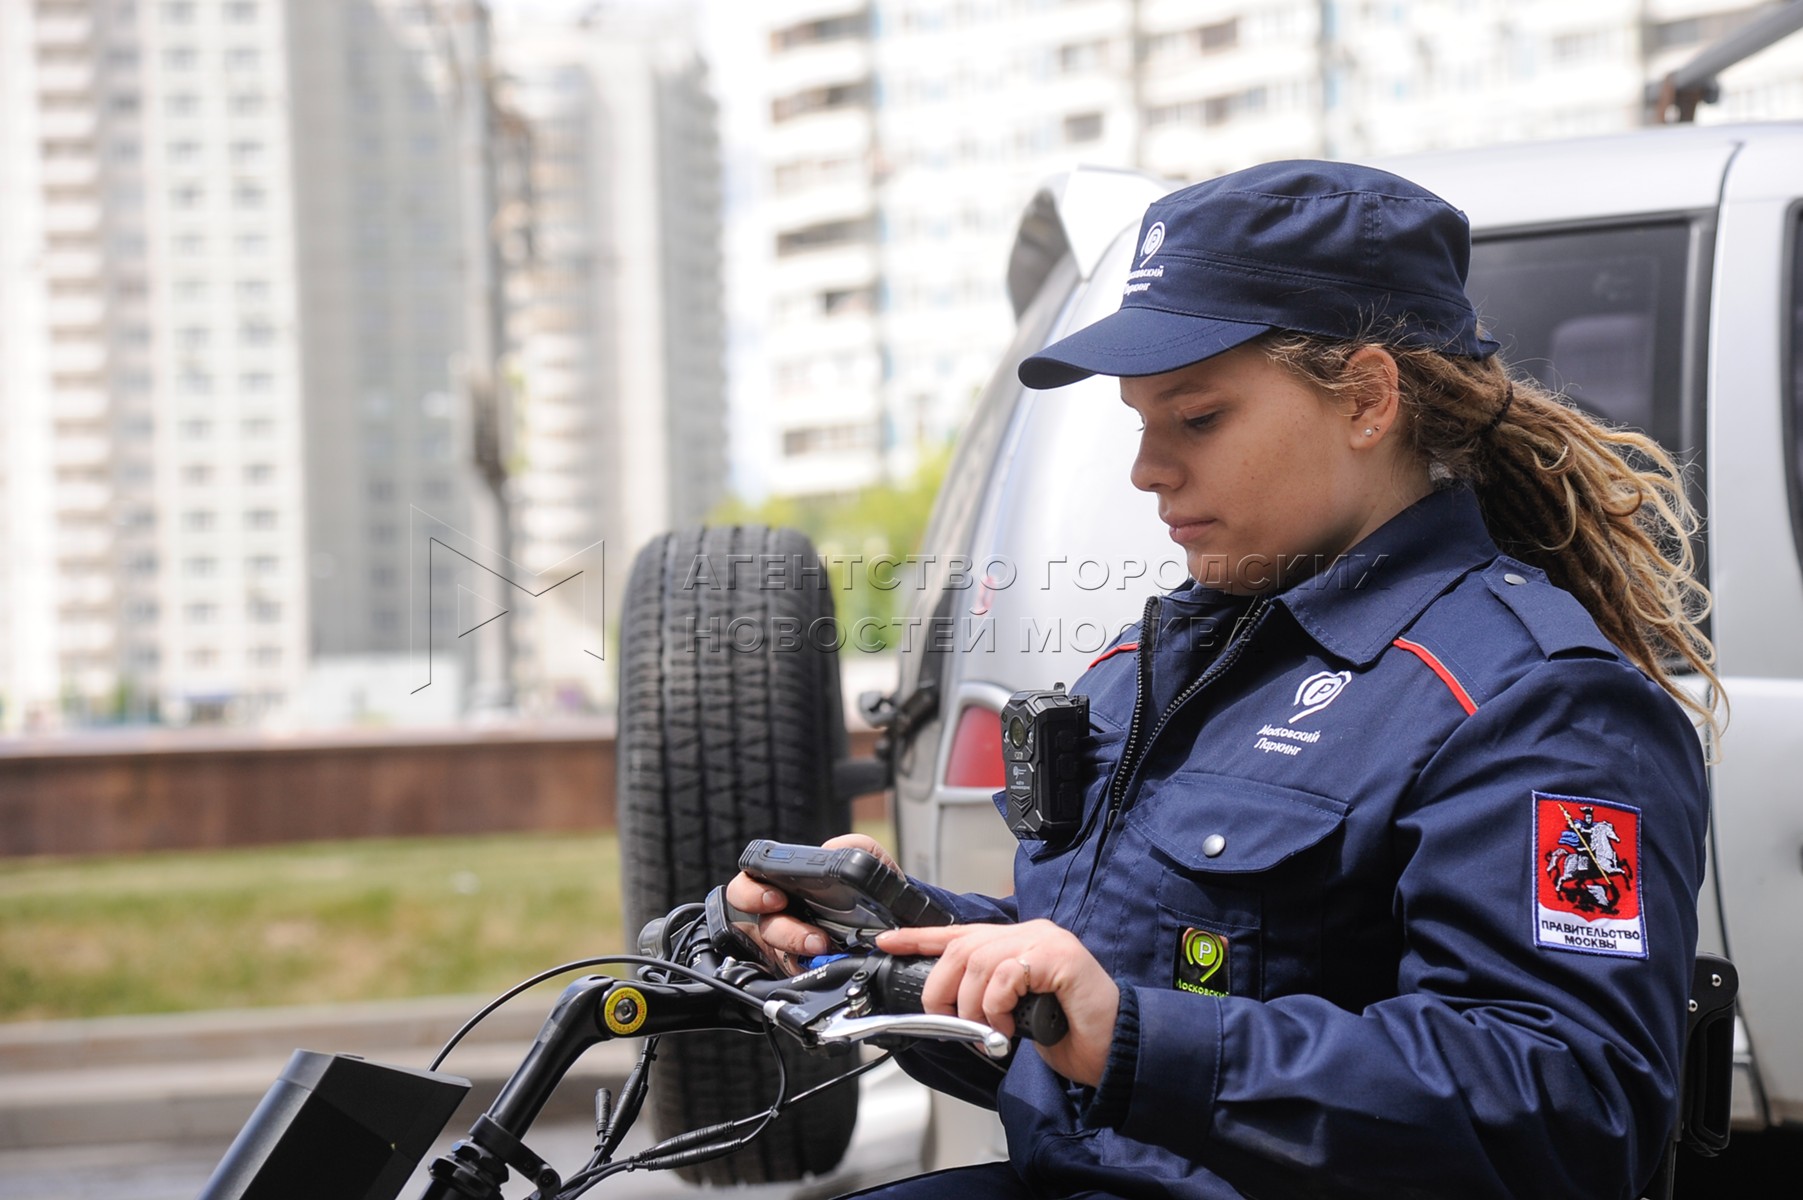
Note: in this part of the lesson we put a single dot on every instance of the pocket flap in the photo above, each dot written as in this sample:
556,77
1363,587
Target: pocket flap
1258,824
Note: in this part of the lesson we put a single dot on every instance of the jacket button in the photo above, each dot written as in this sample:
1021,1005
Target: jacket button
1512,577
1213,844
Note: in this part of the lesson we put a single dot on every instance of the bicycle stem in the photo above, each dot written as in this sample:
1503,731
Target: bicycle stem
593,1009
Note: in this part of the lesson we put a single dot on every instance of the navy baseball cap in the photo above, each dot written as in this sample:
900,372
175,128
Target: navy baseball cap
1327,248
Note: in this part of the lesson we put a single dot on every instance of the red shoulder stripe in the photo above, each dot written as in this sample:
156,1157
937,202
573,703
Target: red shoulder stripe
1439,668
1123,648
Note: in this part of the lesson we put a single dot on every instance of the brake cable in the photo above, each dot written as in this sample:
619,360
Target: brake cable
635,960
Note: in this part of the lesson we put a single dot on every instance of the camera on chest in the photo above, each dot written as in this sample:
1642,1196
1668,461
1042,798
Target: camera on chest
1042,746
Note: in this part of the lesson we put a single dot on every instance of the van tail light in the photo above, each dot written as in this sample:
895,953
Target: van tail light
976,757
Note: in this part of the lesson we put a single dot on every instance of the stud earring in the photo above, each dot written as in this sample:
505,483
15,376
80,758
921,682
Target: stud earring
1370,430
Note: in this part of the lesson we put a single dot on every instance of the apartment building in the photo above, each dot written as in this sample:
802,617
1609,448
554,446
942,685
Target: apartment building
154,548
904,136
614,323
235,281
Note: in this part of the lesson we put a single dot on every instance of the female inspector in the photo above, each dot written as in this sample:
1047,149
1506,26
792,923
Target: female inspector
1387,877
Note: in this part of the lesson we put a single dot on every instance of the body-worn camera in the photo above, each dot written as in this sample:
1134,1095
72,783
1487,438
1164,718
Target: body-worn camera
1042,746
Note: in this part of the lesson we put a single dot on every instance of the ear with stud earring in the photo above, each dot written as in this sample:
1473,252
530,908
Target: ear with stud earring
1370,430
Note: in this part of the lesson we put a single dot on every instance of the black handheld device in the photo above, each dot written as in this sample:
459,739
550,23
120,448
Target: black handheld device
847,892
1042,745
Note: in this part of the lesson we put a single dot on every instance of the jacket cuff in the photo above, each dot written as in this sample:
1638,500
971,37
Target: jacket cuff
1108,1104
1176,1069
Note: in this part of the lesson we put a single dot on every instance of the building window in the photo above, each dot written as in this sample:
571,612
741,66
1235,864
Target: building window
825,29
178,104
200,566
1222,35
262,565
260,518
197,520
1083,127
825,234
824,439
265,656
1079,57
201,612
197,474
264,610
829,98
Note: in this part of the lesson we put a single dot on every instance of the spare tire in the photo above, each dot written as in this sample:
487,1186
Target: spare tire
729,729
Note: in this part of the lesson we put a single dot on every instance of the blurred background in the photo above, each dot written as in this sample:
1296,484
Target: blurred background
349,349
335,330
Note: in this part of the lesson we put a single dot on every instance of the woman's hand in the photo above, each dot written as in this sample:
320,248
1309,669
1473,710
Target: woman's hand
984,971
788,937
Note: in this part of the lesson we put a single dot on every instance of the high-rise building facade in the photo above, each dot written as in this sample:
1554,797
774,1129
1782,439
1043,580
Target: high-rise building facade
238,303
903,138
155,548
615,322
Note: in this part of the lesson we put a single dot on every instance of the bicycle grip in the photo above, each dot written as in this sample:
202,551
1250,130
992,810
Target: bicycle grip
899,982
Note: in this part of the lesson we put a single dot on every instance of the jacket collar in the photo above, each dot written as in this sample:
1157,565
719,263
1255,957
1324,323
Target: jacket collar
1359,604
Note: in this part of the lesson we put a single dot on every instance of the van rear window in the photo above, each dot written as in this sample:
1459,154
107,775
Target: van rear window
1597,314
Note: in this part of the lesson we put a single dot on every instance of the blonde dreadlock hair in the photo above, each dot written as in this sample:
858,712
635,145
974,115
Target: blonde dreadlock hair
1602,510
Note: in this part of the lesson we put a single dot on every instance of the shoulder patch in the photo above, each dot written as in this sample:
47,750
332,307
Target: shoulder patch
1551,615
1587,894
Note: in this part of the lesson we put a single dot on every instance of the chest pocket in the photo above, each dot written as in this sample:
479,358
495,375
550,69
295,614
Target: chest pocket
1246,865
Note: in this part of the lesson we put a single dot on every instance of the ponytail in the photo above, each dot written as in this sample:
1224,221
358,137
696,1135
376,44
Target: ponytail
1601,509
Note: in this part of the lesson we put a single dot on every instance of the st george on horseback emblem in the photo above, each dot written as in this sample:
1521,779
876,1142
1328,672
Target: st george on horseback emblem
1586,853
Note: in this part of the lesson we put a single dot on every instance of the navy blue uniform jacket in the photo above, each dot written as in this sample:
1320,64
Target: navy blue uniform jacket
1400,893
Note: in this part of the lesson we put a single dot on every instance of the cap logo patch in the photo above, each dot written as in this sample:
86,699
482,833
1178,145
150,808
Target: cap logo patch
1202,963
1319,690
1154,239
1587,896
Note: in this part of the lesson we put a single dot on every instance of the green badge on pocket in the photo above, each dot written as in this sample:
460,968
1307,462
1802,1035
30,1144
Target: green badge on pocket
1202,963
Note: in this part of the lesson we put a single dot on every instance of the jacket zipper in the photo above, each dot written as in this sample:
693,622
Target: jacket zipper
1128,767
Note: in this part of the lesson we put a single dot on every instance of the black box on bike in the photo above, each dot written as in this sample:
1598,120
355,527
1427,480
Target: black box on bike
335,1125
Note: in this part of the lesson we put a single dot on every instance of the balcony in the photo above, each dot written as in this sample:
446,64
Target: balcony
70,172
90,451
67,125
60,30
84,311
72,218
61,79
77,358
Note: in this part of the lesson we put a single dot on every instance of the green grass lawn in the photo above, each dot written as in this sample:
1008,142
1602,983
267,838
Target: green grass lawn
303,924
300,924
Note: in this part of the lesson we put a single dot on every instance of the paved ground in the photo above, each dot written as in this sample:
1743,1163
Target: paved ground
892,1115
143,1108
